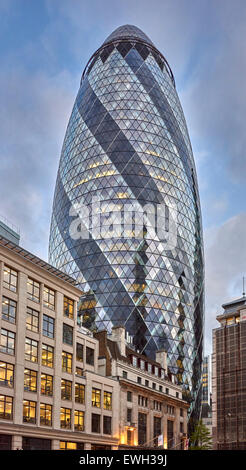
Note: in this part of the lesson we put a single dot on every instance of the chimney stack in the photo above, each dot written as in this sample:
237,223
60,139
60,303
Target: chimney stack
161,357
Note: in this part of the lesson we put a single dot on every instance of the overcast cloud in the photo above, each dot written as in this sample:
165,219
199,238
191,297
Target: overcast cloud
44,47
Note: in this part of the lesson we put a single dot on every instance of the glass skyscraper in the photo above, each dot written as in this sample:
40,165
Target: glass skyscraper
127,153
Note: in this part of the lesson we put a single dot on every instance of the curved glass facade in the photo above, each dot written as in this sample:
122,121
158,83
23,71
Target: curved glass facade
127,146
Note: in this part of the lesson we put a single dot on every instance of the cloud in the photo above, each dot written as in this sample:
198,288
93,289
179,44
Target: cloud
34,115
225,263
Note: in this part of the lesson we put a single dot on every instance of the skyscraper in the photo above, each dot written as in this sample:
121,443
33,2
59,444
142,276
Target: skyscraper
229,377
125,155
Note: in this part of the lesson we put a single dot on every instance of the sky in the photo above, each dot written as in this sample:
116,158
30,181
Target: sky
44,47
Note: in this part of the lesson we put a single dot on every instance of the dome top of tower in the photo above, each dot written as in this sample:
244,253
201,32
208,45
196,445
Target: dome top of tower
128,31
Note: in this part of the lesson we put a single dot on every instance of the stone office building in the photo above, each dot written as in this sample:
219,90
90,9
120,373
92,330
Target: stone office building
51,395
151,403
63,388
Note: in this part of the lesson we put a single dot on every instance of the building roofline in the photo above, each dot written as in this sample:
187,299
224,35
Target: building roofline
37,261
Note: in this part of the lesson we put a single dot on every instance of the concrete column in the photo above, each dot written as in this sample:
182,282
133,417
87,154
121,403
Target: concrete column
58,360
55,444
16,442
87,446
20,348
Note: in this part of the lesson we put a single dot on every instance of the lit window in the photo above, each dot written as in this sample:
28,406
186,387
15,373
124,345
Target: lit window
29,411
65,418
30,380
47,355
6,374
66,389
107,401
68,307
79,420
45,414
46,384
67,360
9,308
79,393
96,398
10,277
6,407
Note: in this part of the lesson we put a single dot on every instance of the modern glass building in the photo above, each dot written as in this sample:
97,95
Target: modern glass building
126,155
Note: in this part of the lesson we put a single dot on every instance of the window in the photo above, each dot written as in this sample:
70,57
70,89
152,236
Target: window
107,425
6,407
149,368
142,364
66,389
33,290
10,279
170,410
142,428
134,361
156,371
181,412
181,427
30,380
177,394
45,414
7,342
46,384
9,308
107,401
32,320
31,350
29,411
48,326
79,420
66,445
129,415
79,352
157,405
68,307
90,356
95,423
6,374
49,298
167,391
157,430
96,398
146,383
160,388
65,418
170,436
67,360
124,374
67,334
79,372
47,355
79,393
142,401
129,396
139,380
153,386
